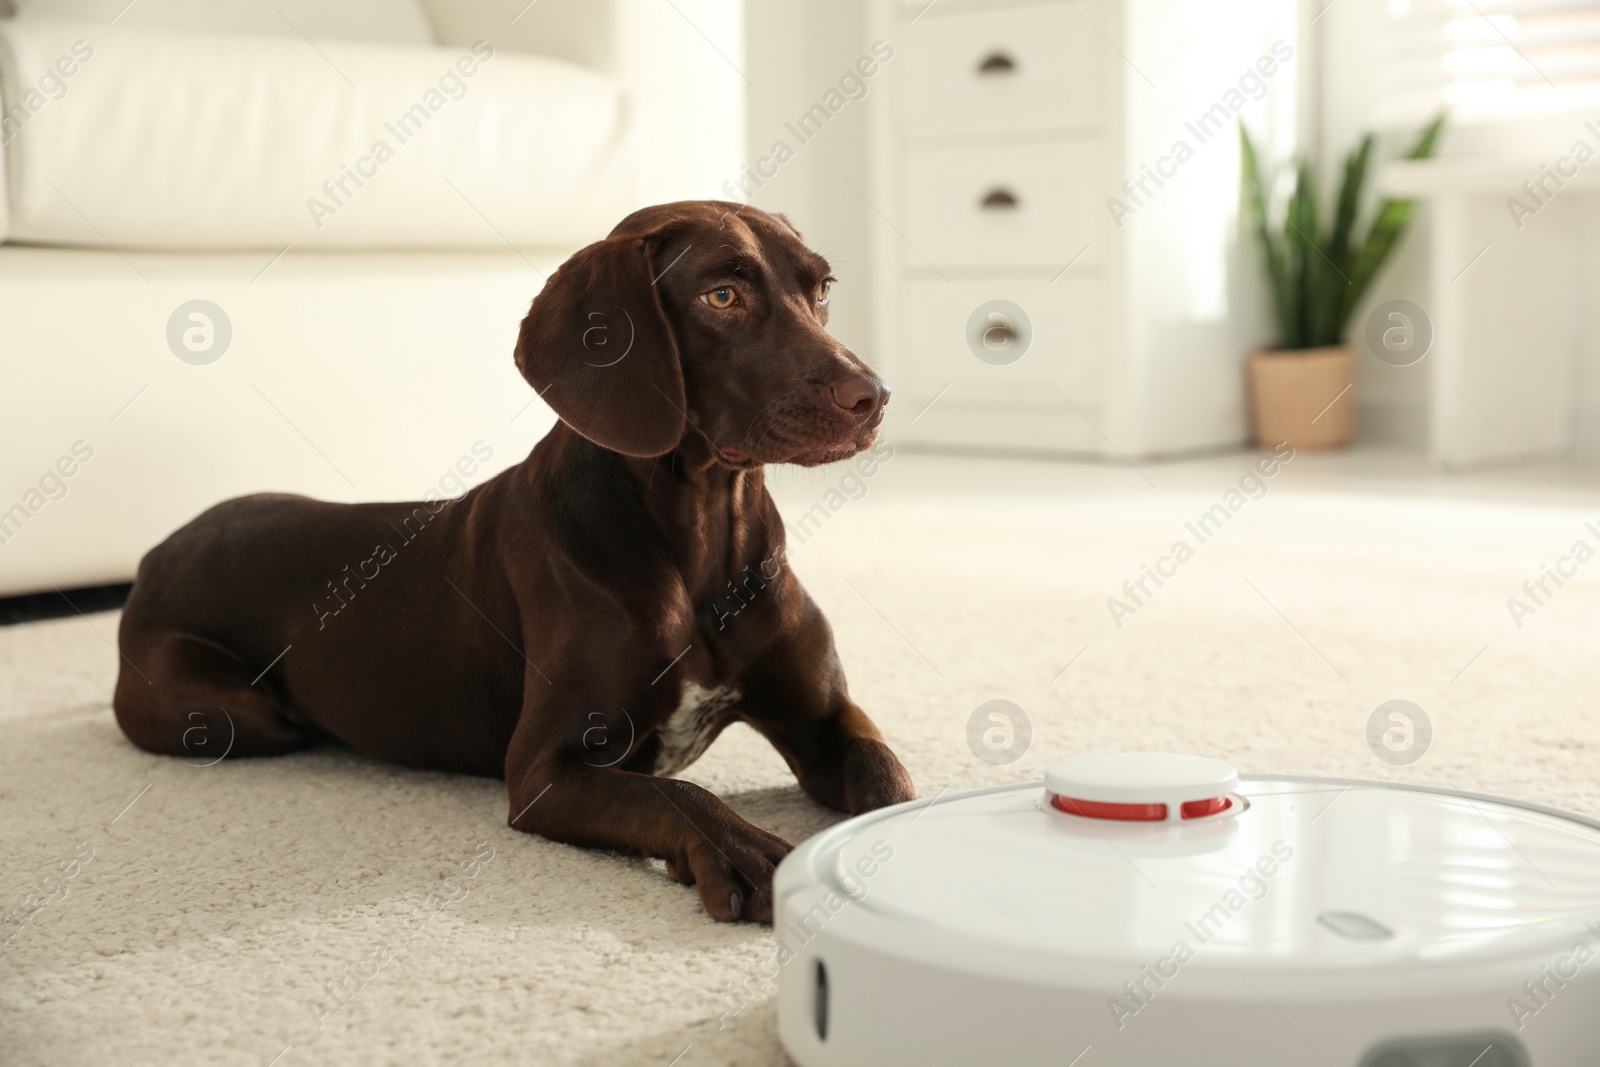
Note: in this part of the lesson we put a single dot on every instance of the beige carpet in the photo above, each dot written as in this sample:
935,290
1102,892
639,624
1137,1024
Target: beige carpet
194,915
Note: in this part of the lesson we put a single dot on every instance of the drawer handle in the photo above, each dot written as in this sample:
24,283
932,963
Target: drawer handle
1000,200
997,63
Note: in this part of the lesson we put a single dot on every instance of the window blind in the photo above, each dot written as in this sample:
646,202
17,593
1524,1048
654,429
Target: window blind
1488,59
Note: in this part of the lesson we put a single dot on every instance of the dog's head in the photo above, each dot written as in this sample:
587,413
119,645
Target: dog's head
701,319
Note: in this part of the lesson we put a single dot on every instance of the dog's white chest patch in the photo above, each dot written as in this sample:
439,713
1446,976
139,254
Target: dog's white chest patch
687,732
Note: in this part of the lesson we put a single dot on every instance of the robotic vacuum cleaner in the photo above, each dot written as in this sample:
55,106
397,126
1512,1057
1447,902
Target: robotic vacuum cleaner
1153,908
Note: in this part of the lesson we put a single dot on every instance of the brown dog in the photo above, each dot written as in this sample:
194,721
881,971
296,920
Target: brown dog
559,626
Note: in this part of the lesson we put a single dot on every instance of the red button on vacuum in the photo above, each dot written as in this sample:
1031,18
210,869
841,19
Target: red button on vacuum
1199,809
1141,787
1091,809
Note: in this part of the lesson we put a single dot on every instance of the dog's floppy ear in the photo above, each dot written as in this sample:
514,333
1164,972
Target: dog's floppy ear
597,346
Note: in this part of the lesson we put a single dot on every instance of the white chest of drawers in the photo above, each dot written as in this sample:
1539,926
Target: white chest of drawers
1001,132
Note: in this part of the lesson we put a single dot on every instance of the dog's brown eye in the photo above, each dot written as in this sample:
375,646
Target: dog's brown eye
721,298
822,294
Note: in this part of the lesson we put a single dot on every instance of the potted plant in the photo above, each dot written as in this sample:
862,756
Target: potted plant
1300,389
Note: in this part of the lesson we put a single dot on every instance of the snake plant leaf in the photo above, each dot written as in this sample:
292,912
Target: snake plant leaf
1388,226
1255,199
1318,277
1355,178
1329,318
1300,234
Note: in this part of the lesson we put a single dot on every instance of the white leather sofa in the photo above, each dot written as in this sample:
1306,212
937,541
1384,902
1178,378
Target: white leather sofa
285,245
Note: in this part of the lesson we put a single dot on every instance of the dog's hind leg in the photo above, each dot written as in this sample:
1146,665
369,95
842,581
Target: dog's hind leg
181,695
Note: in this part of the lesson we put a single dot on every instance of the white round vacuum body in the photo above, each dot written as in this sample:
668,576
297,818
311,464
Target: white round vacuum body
1146,909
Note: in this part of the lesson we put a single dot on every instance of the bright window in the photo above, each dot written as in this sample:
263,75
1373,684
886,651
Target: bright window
1489,59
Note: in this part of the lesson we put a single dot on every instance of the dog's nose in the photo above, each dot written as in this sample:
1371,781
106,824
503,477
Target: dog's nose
860,394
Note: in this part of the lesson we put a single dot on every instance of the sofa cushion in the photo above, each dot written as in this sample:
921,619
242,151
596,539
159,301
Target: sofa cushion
380,21
180,140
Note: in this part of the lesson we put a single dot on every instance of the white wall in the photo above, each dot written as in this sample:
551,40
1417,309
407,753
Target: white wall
796,51
1391,402
1196,292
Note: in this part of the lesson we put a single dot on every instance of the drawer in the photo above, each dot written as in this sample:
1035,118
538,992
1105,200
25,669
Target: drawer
1020,205
1005,71
1067,345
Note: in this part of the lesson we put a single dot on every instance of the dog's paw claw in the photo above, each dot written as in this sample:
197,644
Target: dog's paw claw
734,874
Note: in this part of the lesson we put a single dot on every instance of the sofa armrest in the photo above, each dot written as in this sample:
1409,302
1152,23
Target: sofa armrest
678,64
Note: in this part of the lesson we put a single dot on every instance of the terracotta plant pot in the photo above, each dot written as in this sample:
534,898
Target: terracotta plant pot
1305,397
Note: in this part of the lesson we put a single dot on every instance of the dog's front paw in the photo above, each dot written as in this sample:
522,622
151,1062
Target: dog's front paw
874,778
733,871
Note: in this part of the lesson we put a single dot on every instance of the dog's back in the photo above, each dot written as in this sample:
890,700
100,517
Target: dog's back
342,620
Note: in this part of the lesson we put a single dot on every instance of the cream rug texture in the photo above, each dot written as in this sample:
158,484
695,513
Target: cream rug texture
155,912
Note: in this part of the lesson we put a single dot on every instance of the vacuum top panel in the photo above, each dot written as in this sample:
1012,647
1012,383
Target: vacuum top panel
1115,862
